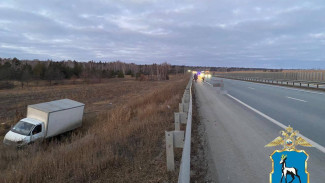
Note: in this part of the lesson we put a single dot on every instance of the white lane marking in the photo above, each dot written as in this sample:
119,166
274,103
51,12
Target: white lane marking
314,144
283,87
251,88
208,83
296,99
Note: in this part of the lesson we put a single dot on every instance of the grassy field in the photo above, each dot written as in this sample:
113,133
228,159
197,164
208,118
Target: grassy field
122,138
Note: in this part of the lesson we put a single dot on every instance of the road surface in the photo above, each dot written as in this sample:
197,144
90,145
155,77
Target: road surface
236,135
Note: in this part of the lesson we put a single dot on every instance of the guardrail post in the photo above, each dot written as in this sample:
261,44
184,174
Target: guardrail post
180,117
170,151
178,138
185,108
174,139
177,121
186,98
181,109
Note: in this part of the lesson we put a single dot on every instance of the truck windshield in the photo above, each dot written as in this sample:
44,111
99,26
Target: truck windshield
22,128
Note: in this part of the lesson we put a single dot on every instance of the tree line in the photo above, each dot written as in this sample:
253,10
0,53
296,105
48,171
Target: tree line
35,70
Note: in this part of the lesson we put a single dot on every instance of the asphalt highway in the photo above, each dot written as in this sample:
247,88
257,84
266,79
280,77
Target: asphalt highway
236,134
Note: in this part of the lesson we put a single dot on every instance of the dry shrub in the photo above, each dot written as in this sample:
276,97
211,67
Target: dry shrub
124,144
141,77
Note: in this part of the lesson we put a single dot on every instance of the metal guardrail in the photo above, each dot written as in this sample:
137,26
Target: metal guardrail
175,139
184,172
276,81
316,75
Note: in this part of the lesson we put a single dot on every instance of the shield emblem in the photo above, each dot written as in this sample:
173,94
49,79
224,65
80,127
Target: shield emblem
289,166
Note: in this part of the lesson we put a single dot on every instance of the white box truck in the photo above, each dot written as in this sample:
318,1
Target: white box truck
46,120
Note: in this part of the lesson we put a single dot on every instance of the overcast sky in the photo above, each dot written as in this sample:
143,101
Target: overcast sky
240,33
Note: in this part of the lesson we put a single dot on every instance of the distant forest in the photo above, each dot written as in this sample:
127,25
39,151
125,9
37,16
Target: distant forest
31,70
13,69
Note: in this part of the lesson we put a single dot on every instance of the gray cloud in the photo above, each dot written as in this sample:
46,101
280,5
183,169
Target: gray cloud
244,33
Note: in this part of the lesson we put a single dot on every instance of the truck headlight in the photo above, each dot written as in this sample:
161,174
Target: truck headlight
20,142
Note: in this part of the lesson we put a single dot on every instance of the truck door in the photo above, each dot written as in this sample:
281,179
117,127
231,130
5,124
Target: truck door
36,133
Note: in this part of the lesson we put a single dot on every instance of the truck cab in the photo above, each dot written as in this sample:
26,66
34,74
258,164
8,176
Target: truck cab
24,132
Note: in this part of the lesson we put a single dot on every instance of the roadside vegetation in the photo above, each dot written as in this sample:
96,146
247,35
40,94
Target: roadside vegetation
199,154
122,138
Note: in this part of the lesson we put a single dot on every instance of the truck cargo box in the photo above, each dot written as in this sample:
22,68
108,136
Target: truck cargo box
58,116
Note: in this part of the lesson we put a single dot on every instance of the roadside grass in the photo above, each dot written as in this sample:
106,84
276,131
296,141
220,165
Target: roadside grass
13,102
123,144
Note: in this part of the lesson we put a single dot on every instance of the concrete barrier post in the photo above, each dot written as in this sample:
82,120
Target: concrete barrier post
177,121
185,107
174,139
181,117
178,139
181,109
170,151
186,98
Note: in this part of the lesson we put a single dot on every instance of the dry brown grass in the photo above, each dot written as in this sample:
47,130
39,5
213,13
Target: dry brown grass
123,144
13,102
